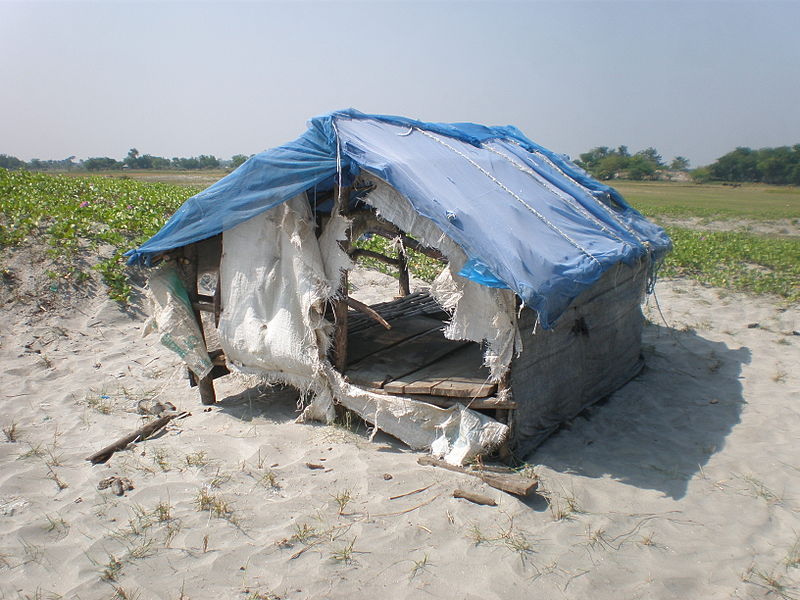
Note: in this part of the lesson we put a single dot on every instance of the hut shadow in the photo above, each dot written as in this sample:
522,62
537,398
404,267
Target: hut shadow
276,403
279,403
659,430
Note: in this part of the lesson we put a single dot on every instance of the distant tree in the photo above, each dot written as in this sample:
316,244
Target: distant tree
159,162
701,175
204,161
738,165
12,163
769,165
641,166
651,155
238,160
589,160
66,164
610,166
186,163
208,161
679,163
132,160
101,164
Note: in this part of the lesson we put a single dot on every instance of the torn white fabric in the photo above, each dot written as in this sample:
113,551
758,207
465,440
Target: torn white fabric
174,319
456,434
478,313
334,258
273,289
275,277
464,435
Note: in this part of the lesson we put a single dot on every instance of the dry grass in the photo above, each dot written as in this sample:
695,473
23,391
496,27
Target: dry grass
215,504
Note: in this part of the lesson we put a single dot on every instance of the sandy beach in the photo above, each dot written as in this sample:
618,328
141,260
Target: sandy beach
683,484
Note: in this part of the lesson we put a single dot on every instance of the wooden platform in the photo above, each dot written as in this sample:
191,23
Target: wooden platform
414,358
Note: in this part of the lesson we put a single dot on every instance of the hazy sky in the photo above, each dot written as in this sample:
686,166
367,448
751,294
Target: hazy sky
187,78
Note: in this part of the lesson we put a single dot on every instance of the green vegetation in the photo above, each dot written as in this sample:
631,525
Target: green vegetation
134,160
76,215
733,260
751,201
739,261
421,266
768,165
606,163
73,214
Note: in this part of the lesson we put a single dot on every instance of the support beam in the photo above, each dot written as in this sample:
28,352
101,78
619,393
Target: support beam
188,271
342,198
404,279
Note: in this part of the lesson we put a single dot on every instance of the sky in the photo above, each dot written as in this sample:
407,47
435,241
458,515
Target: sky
695,79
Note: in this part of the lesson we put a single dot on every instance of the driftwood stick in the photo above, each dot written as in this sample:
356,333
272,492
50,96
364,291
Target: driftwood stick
474,498
361,307
422,489
510,482
142,433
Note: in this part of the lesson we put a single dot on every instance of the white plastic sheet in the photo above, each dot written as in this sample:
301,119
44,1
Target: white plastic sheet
173,318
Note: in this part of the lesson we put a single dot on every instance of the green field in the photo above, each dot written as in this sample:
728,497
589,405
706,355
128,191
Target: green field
78,214
751,201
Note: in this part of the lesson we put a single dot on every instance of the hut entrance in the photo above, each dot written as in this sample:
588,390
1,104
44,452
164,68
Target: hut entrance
413,358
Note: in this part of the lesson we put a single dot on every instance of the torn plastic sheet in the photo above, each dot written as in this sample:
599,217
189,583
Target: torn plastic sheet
274,285
477,313
456,434
174,320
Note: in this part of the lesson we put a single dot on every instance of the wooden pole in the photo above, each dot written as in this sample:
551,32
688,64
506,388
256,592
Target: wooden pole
340,305
405,285
188,271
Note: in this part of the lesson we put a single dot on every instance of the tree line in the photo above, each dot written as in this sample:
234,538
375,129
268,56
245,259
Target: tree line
767,165
779,166
134,160
609,163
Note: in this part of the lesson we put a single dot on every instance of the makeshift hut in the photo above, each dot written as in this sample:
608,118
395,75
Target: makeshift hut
536,313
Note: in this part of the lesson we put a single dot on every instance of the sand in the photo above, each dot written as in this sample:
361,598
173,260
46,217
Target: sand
684,484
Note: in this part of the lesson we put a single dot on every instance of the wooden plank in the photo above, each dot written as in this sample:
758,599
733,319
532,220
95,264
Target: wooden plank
511,481
464,387
490,403
367,342
410,355
459,375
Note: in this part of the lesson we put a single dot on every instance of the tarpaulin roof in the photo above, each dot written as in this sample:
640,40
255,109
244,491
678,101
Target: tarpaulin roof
527,218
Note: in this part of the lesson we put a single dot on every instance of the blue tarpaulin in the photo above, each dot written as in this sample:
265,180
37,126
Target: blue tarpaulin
528,219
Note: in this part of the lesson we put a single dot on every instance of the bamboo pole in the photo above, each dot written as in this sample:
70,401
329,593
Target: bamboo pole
188,269
340,305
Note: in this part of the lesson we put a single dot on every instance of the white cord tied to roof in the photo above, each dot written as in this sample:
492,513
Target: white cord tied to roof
338,167
502,186
558,192
614,215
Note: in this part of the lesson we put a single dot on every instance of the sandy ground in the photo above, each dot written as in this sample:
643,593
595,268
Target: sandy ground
775,227
684,484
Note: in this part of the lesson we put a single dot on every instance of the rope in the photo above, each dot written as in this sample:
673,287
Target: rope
502,186
603,205
558,192
338,167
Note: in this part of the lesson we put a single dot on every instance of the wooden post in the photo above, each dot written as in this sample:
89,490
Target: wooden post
188,270
340,305
405,287
505,416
